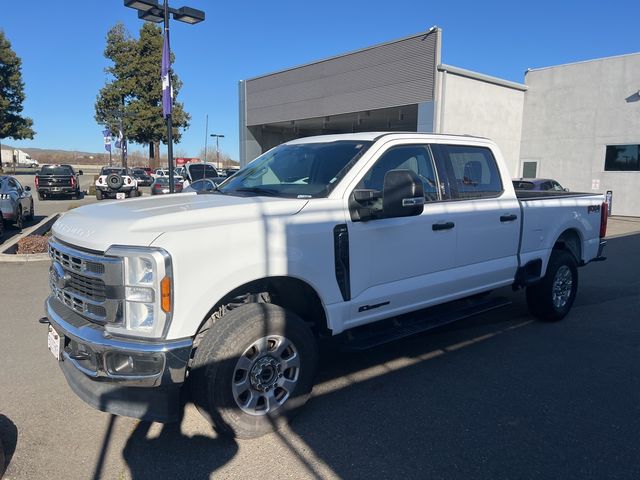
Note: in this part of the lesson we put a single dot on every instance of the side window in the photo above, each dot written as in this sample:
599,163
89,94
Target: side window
407,157
472,171
13,184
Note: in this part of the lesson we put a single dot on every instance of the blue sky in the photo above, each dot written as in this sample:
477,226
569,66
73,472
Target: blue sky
63,65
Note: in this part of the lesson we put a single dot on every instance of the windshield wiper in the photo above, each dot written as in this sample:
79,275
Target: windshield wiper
270,192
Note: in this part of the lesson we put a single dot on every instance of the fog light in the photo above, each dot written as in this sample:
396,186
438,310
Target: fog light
134,364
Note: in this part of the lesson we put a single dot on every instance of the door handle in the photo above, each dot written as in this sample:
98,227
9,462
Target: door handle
443,226
508,218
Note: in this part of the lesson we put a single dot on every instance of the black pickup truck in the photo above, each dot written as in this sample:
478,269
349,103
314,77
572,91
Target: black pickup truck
56,180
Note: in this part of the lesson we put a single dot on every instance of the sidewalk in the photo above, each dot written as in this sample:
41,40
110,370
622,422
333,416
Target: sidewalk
621,226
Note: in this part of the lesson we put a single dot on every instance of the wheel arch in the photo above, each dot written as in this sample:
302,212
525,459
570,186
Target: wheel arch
288,292
571,241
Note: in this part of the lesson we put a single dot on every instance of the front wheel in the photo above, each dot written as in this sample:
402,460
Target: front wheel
253,370
32,212
552,298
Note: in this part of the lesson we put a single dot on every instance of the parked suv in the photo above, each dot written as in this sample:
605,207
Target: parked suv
115,182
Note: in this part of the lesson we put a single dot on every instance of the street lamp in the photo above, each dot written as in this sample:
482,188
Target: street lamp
150,10
218,137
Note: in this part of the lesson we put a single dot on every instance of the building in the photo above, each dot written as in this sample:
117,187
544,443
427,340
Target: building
400,85
576,123
582,127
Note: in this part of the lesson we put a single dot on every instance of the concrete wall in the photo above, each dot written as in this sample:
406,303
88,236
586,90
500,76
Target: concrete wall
484,107
572,112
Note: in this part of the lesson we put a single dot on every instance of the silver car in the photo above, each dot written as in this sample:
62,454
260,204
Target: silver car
16,202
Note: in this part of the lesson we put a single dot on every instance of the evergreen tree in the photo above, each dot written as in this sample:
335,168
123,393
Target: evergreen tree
135,90
12,124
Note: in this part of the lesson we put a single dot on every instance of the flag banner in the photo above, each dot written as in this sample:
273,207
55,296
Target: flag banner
107,147
167,90
118,144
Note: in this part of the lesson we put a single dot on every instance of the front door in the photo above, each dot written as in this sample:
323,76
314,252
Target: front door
401,264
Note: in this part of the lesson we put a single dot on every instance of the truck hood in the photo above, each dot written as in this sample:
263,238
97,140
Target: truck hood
140,221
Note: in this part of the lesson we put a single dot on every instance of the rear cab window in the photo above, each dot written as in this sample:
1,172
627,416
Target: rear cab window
56,170
471,171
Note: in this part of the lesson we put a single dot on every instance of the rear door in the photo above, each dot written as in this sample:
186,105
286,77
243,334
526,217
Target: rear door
487,217
400,264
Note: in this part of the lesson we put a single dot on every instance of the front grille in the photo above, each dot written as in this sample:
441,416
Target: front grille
86,282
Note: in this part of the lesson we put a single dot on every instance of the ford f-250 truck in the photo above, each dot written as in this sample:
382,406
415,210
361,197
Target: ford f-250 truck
322,236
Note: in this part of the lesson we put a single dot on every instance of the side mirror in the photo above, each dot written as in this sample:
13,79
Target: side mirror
80,172
566,189
402,194
27,188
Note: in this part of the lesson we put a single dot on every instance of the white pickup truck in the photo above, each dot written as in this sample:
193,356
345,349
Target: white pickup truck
322,236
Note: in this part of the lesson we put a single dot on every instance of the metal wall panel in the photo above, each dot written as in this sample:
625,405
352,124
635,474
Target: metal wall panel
396,73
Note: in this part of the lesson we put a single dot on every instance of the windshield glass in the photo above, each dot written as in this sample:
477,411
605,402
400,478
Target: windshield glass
109,171
307,170
56,170
202,171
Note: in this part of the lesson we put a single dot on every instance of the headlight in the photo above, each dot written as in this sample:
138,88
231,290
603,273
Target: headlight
148,291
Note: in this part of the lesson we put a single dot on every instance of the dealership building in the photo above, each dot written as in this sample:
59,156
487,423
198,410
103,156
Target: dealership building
577,123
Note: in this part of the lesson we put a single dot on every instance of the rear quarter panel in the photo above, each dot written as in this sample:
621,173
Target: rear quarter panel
545,220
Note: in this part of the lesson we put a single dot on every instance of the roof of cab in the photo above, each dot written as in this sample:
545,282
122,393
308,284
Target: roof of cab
373,136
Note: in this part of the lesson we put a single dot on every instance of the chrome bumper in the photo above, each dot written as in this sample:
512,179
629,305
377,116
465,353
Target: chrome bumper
127,362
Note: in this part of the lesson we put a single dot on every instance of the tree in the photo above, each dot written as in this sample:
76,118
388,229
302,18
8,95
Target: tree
136,90
12,124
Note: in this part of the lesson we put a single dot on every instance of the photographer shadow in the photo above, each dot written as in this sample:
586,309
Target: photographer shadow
8,441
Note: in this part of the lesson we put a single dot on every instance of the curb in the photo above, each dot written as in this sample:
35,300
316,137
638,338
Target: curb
38,229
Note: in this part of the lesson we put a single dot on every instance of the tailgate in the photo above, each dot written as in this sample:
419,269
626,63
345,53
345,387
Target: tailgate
54,181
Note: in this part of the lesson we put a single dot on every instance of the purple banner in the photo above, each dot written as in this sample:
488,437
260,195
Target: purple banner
167,91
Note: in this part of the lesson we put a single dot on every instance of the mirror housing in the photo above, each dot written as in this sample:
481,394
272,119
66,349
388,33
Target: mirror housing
402,194
80,172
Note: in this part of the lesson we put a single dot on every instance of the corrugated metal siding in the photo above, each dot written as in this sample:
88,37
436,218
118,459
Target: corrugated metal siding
398,73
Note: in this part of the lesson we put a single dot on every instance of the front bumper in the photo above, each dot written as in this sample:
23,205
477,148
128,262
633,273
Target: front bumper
94,365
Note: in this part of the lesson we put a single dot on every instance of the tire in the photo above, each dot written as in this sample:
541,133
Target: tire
1,228
41,196
19,219
551,299
252,344
131,194
32,212
98,195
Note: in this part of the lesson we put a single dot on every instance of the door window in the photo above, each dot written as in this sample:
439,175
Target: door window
406,157
472,171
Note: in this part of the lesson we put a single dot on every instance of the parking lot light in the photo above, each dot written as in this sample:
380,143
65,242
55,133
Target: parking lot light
189,15
150,16
141,5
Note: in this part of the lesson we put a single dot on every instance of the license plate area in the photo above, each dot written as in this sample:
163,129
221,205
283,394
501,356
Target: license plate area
55,342
120,196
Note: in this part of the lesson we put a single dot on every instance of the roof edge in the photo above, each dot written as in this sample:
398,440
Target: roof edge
582,61
333,57
482,77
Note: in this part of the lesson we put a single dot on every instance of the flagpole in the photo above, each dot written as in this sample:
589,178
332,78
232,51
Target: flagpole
169,121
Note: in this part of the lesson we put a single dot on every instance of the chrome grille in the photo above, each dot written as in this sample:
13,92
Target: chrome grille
85,285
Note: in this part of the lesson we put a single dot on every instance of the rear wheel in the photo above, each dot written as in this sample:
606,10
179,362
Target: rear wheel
98,194
41,196
19,219
32,212
552,298
253,370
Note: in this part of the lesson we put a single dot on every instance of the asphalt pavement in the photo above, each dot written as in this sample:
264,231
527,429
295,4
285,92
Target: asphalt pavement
496,396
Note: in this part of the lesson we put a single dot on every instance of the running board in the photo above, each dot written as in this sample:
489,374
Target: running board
385,331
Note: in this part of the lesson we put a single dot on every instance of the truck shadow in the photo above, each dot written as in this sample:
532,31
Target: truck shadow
8,441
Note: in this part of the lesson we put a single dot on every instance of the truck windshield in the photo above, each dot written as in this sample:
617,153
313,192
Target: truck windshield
201,171
308,170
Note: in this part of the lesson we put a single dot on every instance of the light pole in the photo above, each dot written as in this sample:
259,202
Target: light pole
150,10
218,137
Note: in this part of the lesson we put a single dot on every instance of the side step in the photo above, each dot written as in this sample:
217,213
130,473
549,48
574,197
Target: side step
385,331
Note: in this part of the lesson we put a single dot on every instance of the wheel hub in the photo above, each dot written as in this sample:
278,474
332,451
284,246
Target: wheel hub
265,373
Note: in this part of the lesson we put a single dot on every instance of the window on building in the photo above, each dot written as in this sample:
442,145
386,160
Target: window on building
472,171
622,158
